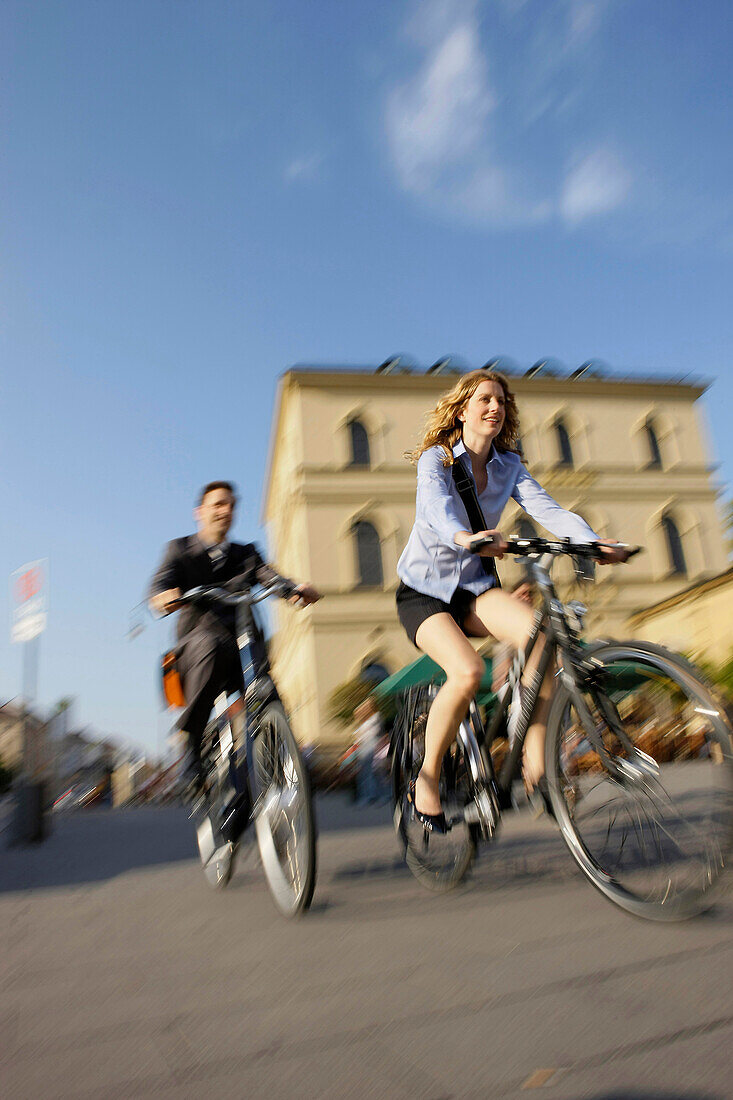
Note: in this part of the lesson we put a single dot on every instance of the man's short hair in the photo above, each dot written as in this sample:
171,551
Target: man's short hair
228,485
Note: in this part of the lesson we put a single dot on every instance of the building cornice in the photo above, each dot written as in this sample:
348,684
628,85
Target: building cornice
369,381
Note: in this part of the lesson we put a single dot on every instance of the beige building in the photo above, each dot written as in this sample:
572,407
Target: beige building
339,502
698,620
23,740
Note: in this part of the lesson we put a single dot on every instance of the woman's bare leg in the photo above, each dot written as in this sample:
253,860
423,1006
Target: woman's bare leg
444,641
510,620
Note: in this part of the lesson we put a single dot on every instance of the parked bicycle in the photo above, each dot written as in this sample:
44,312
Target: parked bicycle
638,762
254,773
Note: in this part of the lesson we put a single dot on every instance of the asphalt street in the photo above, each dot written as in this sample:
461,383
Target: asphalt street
125,975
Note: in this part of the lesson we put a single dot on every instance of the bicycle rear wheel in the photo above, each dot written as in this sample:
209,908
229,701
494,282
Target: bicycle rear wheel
438,862
655,841
284,817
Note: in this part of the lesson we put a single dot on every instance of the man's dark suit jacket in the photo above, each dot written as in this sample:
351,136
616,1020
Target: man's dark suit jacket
187,564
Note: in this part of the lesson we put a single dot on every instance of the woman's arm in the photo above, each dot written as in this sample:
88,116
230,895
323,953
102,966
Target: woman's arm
435,503
538,503
437,506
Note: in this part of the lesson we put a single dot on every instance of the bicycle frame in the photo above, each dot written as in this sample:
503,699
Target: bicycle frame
575,667
259,690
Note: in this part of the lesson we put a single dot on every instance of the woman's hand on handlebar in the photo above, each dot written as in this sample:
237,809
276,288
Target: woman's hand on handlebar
303,595
611,552
494,547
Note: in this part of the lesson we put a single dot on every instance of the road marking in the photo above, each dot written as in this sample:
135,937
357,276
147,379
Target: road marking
539,1078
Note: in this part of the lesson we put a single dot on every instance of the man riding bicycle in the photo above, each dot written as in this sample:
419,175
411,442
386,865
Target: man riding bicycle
207,656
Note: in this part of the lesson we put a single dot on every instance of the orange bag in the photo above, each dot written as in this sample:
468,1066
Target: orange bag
172,686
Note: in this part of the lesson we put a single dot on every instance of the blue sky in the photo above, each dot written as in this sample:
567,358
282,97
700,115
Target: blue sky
198,195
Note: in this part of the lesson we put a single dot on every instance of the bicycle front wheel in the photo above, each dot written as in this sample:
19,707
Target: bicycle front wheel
284,817
438,862
644,799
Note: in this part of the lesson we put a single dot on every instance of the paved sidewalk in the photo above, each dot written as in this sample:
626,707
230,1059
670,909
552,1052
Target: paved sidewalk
124,975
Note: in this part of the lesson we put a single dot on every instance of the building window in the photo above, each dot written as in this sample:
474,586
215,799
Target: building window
563,444
655,456
359,444
369,555
677,563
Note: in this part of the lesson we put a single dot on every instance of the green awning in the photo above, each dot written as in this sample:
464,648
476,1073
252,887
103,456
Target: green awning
424,671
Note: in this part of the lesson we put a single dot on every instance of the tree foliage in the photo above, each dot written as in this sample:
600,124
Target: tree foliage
344,699
720,675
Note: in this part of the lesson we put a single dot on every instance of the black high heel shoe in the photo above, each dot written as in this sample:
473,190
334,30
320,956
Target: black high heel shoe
431,823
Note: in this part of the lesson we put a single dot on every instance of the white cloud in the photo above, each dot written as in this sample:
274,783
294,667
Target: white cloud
596,184
442,114
304,168
584,18
454,127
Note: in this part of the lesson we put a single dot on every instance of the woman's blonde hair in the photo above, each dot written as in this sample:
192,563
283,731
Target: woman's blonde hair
444,429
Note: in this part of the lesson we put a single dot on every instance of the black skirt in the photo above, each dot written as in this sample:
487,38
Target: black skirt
413,607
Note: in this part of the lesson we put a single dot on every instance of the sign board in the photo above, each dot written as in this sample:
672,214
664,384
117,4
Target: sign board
28,601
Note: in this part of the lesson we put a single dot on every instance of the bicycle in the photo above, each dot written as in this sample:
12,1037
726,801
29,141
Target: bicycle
254,773
638,762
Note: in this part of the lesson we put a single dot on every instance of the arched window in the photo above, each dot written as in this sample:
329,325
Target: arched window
373,673
563,444
655,456
677,563
369,555
359,444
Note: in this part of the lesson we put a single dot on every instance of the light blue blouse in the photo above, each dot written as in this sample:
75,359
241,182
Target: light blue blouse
431,562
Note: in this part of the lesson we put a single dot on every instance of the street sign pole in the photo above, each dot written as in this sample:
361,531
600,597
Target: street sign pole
30,690
29,603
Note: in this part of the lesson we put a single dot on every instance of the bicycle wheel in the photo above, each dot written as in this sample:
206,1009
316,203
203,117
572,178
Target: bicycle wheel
438,862
284,817
649,819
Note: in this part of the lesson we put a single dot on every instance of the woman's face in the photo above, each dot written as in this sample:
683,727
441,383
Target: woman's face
484,412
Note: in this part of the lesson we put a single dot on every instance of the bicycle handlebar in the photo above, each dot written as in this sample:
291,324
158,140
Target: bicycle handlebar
214,594
525,548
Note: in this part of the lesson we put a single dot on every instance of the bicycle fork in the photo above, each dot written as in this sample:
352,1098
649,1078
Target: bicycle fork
638,769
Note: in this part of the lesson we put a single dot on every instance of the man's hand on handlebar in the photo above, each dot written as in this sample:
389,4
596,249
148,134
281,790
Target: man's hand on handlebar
166,602
304,595
488,544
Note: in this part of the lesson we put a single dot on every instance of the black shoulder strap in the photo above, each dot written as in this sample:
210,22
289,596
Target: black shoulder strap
467,492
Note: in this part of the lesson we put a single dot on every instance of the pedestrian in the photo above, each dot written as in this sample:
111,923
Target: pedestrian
366,738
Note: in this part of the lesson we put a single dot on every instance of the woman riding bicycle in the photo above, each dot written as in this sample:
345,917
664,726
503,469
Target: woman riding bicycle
447,594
